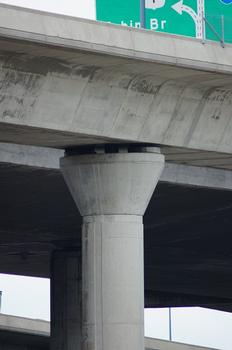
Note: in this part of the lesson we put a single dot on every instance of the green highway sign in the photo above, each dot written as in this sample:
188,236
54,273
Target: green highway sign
202,19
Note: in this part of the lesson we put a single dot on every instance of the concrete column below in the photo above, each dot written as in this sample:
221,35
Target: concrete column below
113,284
66,300
112,191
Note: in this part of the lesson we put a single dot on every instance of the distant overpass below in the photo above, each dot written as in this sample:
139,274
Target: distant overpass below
20,333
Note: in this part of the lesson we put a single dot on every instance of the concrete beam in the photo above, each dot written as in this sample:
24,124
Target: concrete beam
42,157
24,325
39,157
197,176
116,84
119,41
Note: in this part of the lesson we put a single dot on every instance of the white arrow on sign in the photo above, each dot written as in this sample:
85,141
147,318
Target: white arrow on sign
179,7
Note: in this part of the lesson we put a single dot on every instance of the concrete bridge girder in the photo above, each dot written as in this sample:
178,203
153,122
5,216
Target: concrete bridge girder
78,81
79,104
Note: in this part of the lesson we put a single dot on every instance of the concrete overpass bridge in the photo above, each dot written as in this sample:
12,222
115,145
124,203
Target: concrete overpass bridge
112,98
18,333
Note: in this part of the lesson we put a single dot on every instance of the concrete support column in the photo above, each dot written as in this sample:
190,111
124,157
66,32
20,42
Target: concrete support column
66,310
113,284
112,192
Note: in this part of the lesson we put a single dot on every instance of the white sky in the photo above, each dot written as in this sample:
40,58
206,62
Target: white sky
29,297
78,8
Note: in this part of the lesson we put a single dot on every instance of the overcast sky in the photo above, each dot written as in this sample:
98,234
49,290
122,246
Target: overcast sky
29,297
78,8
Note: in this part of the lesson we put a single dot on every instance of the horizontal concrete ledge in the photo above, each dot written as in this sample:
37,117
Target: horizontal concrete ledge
24,325
41,328
81,34
40,157
197,176
157,344
48,158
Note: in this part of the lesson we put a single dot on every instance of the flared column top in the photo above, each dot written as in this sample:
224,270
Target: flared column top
113,183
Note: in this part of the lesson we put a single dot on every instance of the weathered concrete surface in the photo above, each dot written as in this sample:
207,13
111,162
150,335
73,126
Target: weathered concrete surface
114,194
69,81
17,333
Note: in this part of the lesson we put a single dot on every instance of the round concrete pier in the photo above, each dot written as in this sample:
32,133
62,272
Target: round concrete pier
112,192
